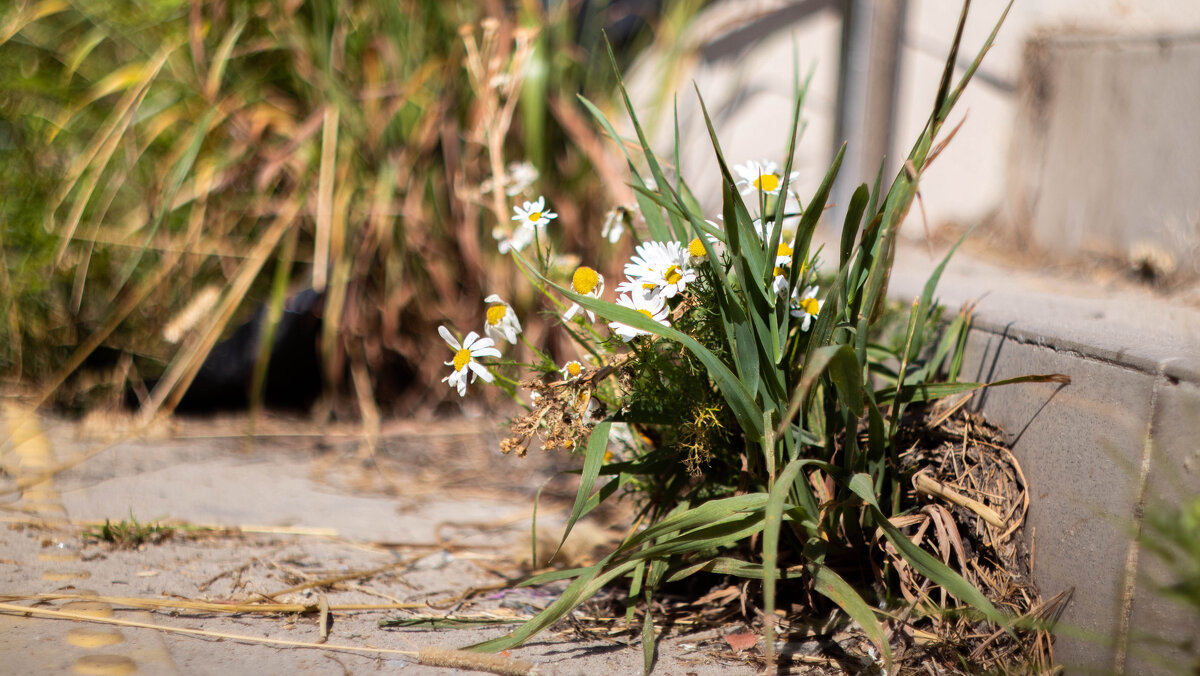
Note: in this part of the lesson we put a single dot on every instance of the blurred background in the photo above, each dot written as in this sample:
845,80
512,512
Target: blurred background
218,204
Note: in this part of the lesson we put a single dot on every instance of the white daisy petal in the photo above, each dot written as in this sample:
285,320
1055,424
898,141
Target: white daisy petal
449,337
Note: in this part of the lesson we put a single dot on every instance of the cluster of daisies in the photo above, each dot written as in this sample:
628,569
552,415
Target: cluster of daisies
656,273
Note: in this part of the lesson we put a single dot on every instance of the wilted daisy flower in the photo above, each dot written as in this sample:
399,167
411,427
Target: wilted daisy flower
521,175
571,370
659,268
465,355
614,224
587,282
518,177
501,320
806,306
518,239
762,176
654,307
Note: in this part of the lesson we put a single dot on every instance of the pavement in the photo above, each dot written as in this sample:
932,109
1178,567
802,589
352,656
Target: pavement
433,512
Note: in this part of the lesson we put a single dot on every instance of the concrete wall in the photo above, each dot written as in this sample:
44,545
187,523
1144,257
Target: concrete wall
1105,155
744,71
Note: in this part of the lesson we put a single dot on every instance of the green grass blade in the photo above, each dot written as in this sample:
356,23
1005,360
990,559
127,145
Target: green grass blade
931,391
815,366
593,458
854,214
772,521
832,586
648,643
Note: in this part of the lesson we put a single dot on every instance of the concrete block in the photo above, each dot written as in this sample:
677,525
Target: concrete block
1105,146
1159,627
1079,446
1082,448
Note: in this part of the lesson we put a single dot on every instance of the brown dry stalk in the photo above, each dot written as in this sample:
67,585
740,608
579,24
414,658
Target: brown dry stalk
353,575
930,486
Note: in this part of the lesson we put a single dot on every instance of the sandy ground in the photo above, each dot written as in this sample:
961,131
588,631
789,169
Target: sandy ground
432,514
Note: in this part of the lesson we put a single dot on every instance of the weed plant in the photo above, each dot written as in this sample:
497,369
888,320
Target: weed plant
129,533
735,390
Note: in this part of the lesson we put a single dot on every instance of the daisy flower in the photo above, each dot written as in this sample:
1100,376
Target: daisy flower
762,177
465,354
533,214
532,218
696,251
501,322
518,177
654,307
587,282
806,306
783,258
571,370
659,268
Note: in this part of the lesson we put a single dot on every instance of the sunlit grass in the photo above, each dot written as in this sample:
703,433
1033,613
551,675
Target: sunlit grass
260,147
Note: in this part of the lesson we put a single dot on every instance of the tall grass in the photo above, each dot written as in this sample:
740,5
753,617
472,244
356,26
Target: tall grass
158,150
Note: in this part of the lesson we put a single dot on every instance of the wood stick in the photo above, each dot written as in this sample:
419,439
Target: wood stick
930,486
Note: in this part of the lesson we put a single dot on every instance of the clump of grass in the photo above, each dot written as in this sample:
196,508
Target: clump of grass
741,396
130,533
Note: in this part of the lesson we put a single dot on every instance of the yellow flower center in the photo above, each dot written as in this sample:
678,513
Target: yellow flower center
696,248
779,271
496,313
648,285
784,249
673,275
809,305
461,359
574,368
767,183
535,217
585,280
647,313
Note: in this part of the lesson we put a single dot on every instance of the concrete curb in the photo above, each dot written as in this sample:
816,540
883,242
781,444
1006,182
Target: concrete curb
1117,442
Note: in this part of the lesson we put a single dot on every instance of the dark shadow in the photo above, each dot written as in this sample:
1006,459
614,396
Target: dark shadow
990,366
734,43
560,652
980,377
1017,437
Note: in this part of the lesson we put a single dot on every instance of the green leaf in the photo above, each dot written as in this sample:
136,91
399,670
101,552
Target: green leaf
932,391
819,362
593,458
772,521
832,586
854,214
647,637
